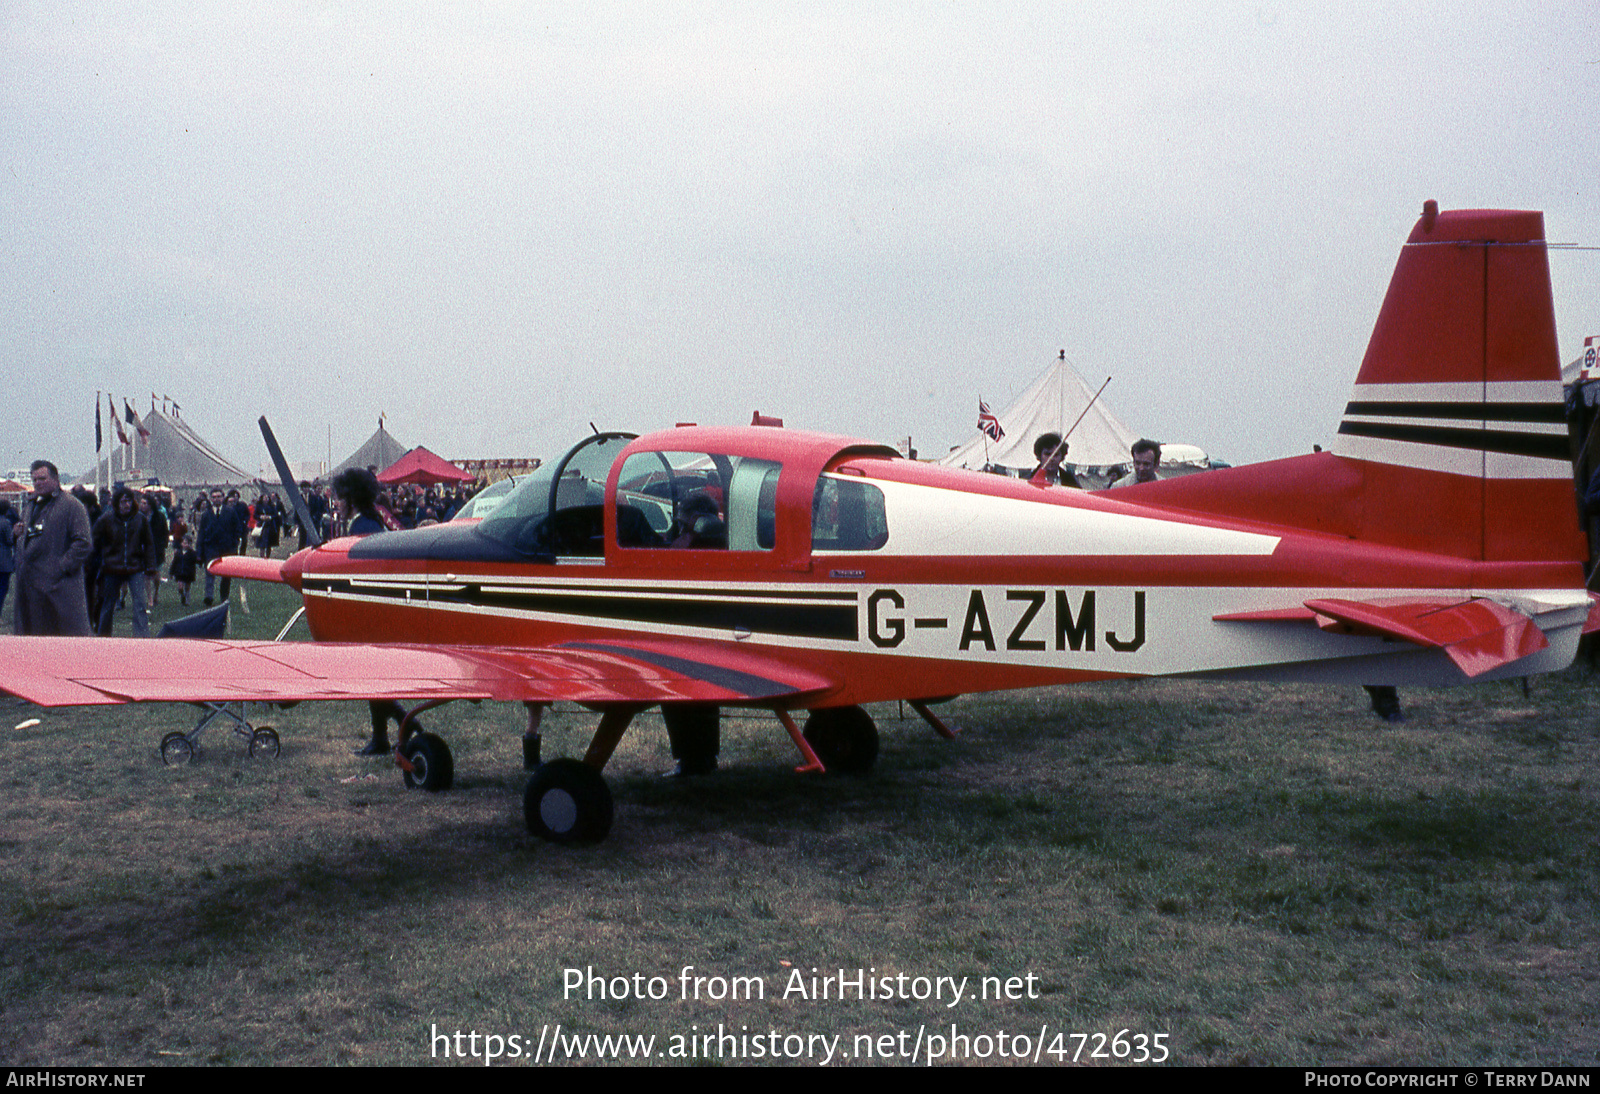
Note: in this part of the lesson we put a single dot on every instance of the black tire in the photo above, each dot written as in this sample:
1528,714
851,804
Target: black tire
435,768
844,739
176,749
264,744
567,801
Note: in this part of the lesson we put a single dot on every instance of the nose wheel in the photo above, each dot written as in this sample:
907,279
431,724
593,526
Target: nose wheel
429,765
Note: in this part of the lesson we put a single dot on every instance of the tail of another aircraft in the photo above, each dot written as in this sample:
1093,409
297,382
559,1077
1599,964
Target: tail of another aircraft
1454,439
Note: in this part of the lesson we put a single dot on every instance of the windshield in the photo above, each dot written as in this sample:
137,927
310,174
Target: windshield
558,510
488,499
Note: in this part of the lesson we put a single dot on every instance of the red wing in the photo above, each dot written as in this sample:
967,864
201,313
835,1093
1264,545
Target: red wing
88,671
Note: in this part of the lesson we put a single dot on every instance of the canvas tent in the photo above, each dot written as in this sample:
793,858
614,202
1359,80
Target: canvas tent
380,451
174,454
423,468
1051,404
1585,368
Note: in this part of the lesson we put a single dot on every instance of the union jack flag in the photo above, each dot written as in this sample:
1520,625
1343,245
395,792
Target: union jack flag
988,423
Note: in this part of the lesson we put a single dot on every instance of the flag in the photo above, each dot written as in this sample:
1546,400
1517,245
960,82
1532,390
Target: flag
133,420
98,439
122,434
988,423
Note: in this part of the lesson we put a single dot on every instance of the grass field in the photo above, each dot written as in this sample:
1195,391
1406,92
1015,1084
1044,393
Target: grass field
1258,874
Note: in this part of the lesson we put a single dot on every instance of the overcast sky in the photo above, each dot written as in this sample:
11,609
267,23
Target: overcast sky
497,223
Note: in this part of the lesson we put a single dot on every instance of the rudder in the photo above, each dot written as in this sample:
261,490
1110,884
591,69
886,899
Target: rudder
1456,419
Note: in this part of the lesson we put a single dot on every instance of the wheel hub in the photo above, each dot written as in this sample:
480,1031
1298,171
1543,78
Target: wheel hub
558,810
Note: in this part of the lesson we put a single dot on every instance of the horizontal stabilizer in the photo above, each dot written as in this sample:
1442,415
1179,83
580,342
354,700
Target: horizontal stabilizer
1477,634
94,671
1592,624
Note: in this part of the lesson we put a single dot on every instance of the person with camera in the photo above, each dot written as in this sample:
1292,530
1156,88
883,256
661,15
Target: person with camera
52,544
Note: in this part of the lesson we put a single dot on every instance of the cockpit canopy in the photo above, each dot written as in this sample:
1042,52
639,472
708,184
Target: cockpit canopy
681,495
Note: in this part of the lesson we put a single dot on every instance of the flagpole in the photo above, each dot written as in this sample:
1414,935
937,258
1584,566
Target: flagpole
985,434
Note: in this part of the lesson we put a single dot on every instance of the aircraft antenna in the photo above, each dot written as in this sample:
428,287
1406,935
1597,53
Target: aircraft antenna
1038,476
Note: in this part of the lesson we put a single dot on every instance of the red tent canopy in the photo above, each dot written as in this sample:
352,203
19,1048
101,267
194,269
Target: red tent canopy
423,467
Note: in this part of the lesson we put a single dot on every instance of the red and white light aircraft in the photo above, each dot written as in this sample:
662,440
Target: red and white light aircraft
1437,542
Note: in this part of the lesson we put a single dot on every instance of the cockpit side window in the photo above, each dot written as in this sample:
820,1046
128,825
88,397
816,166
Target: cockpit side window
697,500
848,514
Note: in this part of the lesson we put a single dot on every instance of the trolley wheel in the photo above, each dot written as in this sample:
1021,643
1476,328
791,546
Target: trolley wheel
844,738
567,801
434,768
264,744
176,749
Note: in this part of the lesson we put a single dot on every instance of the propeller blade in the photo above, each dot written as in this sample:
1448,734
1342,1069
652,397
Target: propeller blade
313,536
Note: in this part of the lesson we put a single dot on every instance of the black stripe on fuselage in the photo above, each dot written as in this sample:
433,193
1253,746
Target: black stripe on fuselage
802,619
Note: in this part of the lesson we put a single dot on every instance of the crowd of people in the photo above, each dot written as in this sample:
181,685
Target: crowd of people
82,556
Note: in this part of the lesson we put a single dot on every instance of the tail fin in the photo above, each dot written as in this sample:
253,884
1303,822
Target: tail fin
1456,418
1454,440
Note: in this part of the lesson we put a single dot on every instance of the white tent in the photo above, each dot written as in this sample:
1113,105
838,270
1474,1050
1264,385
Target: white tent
1584,368
1050,405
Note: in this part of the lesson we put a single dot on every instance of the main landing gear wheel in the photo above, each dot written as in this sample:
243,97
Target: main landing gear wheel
567,801
264,744
176,749
433,768
844,739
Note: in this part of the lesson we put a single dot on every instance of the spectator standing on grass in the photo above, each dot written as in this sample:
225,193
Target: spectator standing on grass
220,533
127,552
160,535
8,555
355,493
185,563
93,506
52,544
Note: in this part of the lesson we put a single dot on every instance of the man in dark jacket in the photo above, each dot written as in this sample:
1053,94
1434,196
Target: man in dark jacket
161,532
127,550
8,558
220,532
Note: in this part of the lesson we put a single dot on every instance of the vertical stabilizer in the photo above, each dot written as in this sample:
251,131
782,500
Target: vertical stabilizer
1456,419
